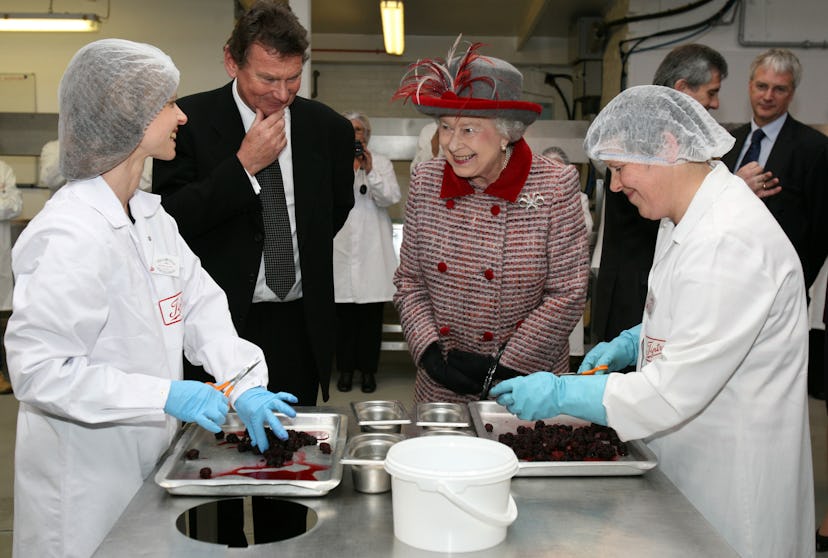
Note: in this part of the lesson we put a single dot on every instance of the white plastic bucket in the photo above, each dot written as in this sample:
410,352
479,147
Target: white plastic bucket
451,493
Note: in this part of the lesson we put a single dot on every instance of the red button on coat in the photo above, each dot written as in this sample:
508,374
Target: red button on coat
442,267
450,204
488,336
445,330
489,274
495,210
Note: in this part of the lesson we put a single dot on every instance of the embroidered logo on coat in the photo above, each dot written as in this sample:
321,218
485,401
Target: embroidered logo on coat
652,348
171,309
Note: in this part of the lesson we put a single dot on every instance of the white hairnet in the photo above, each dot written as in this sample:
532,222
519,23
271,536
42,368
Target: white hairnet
655,125
109,94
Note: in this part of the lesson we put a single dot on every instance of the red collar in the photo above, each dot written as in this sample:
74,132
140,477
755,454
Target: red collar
507,186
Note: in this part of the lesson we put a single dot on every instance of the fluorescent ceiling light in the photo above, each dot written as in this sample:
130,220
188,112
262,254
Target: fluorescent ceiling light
49,22
392,27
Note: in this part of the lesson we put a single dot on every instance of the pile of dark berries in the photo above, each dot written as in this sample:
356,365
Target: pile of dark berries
563,442
280,451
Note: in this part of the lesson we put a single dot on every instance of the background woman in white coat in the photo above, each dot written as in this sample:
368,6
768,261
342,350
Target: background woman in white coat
107,296
11,204
364,262
719,390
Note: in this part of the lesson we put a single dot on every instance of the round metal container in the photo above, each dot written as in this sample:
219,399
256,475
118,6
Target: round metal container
366,456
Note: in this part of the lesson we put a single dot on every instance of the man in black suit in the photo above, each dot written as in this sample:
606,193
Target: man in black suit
629,239
212,188
796,154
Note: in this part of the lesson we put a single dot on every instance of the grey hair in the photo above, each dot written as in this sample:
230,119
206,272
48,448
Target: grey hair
512,129
353,115
694,63
555,152
781,61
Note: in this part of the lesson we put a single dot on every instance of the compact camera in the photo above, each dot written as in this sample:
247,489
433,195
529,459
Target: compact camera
358,149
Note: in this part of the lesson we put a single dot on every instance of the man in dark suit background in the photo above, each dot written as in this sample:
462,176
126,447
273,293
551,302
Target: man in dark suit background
629,239
795,153
797,156
212,189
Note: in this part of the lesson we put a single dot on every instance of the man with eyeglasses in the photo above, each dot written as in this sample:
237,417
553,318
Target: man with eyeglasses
795,154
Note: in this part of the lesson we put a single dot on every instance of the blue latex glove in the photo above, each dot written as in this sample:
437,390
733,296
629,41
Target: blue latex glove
544,395
255,407
197,402
616,354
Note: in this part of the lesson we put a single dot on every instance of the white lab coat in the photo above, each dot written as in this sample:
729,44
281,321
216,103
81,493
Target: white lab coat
720,390
102,311
364,260
11,204
424,148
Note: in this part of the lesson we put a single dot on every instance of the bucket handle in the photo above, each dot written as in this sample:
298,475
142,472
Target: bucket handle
497,520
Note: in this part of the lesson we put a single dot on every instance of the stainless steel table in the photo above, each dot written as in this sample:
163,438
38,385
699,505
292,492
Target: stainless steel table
642,516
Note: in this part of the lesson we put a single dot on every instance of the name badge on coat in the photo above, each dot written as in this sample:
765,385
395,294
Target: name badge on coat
165,264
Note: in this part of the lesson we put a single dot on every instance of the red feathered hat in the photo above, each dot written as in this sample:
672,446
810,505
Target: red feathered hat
468,85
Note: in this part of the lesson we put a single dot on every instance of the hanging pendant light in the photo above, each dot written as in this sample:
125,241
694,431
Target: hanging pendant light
392,26
49,22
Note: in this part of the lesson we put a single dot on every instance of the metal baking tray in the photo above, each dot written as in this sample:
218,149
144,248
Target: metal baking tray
312,473
380,413
638,461
442,415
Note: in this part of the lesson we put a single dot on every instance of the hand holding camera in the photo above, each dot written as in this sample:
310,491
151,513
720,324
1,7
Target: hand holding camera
362,155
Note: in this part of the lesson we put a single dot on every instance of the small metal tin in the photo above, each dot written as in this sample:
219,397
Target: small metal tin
365,453
380,416
442,415
447,432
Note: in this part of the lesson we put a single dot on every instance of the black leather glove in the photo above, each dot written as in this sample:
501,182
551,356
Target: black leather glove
441,372
472,365
504,373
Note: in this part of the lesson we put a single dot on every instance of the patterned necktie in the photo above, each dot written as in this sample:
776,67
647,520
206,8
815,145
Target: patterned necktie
280,272
752,153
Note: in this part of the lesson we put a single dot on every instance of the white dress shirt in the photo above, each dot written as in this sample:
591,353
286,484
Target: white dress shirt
262,292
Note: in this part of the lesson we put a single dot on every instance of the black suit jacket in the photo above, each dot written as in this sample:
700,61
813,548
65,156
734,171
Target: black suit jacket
799,159
205,188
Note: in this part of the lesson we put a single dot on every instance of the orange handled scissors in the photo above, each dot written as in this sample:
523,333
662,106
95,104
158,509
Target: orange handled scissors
592,371
228,386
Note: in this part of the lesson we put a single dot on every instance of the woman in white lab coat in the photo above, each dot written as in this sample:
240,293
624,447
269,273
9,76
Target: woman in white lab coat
719,391
364,262
107,296
11,204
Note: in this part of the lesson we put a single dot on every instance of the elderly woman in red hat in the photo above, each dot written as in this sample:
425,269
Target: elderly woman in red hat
493,265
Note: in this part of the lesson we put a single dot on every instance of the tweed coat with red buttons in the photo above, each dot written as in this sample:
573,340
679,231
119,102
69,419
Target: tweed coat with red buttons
477,269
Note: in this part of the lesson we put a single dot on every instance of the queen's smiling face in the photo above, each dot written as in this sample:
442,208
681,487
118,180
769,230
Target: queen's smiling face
473,147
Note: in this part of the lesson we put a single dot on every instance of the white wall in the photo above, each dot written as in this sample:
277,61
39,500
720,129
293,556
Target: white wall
785,22
192,32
